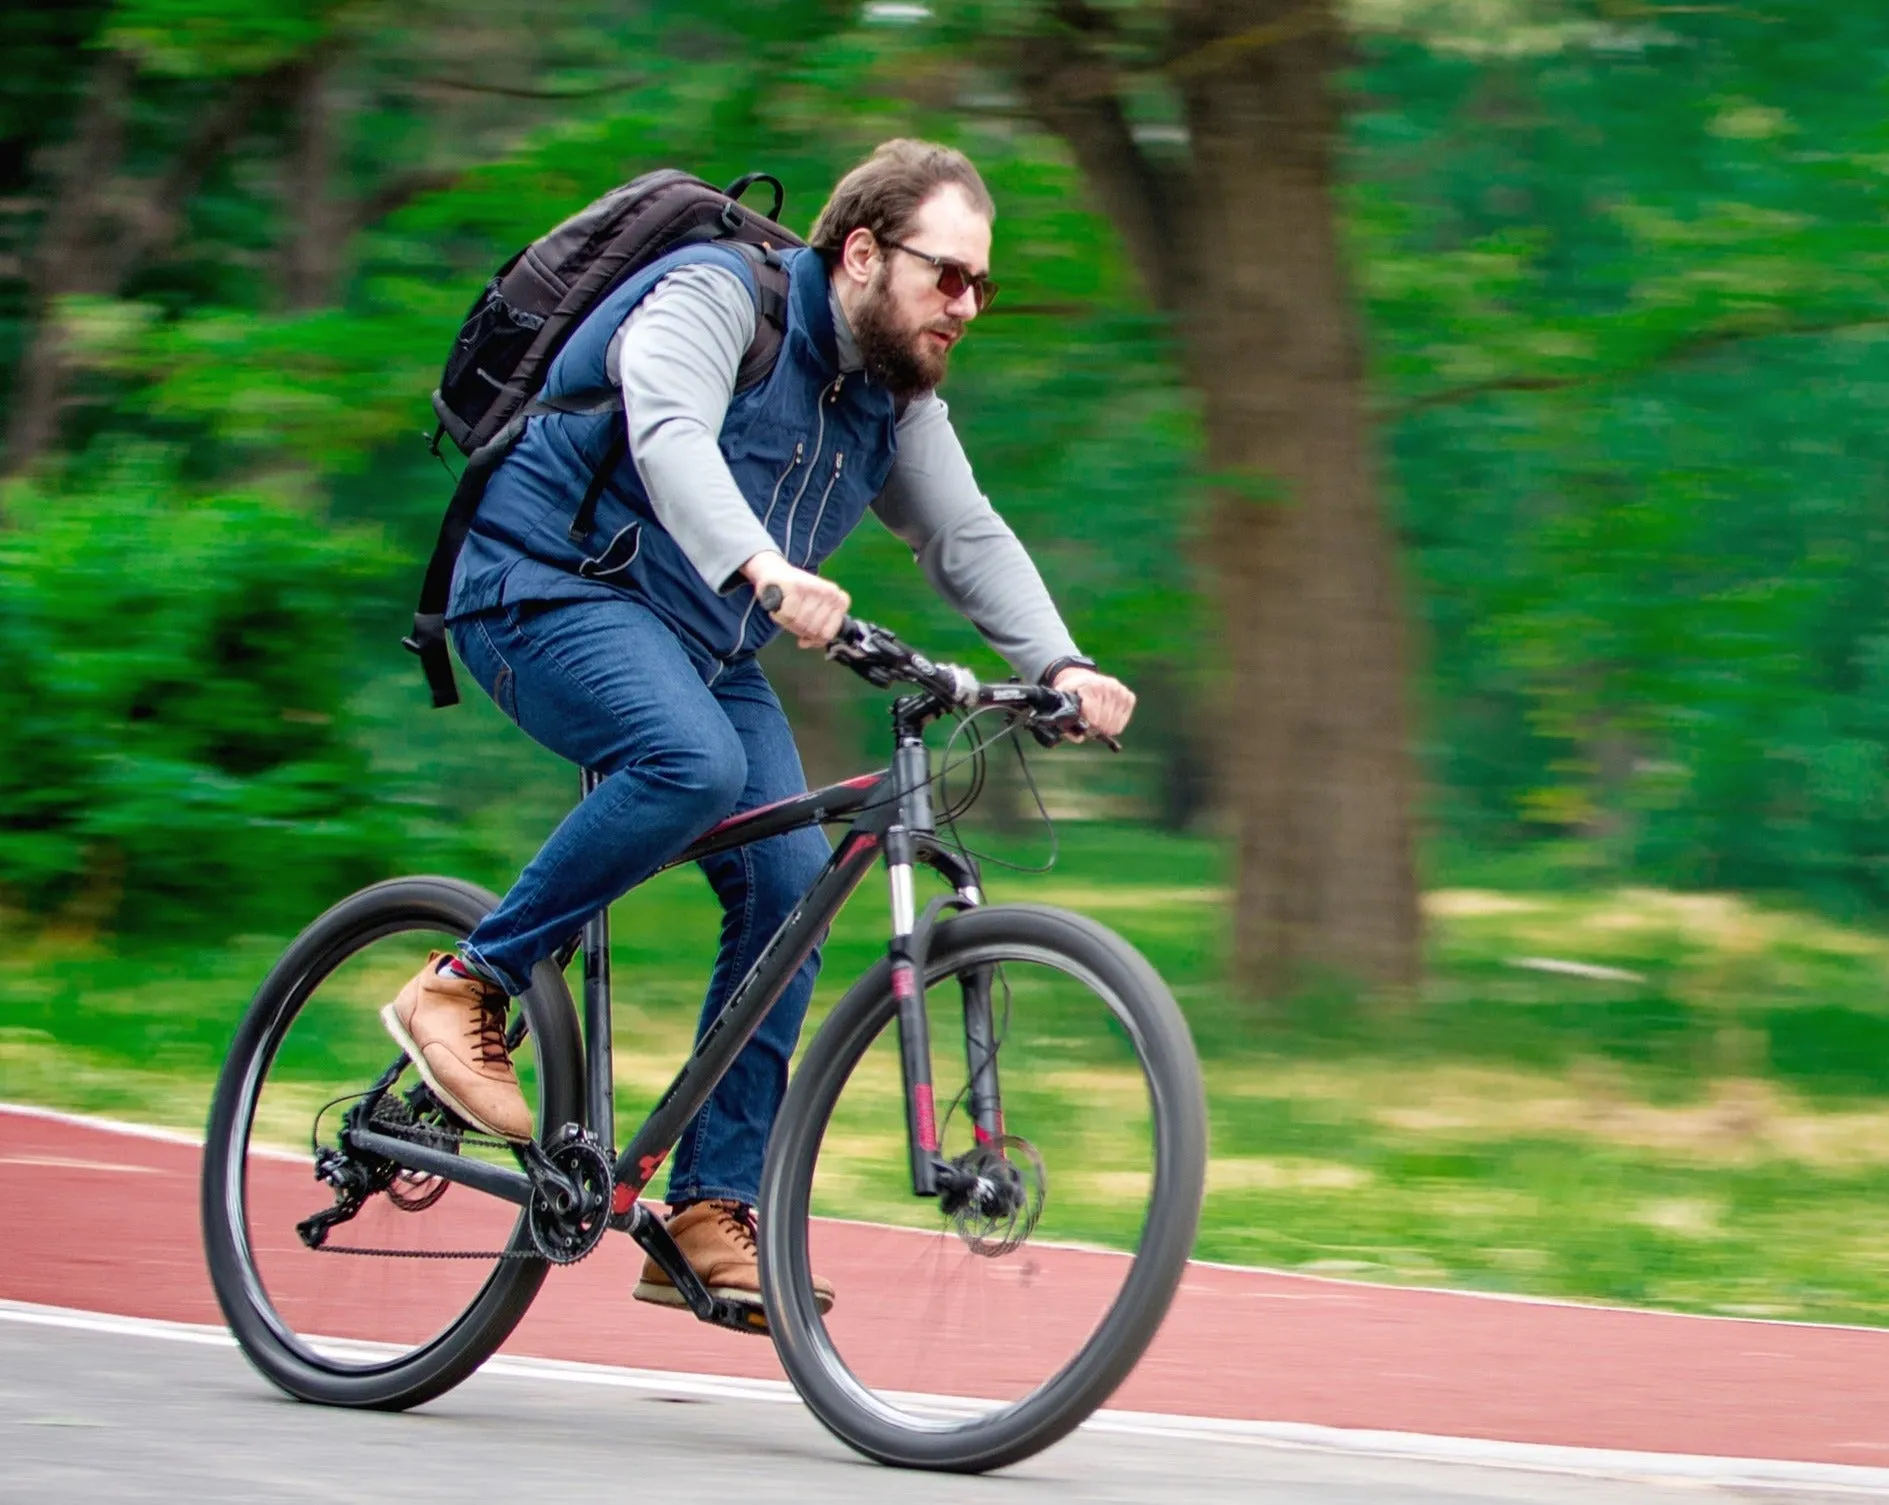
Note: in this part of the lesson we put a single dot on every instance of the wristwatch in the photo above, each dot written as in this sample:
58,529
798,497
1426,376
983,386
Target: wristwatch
1057,665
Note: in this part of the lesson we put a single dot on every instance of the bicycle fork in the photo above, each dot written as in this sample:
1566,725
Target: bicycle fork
932,1174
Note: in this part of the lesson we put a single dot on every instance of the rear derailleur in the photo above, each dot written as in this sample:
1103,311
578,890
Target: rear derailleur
357,1176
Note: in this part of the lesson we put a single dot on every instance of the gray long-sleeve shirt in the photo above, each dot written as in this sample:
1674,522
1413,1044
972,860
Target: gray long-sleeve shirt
676,358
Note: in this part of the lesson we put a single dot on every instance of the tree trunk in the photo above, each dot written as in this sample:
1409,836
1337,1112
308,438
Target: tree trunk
69,258
1307,580
1242,246
312,243
103,227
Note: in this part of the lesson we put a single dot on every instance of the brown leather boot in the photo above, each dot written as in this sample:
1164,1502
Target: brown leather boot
717,1239
453,1030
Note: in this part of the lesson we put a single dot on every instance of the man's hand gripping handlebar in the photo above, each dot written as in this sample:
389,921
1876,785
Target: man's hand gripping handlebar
880,658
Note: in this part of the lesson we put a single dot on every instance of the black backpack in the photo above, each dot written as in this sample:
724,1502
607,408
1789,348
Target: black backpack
518,324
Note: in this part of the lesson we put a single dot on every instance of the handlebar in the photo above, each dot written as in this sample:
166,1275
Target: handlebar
880,658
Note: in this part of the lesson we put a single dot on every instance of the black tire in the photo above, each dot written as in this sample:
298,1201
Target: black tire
410,1377
1147,1013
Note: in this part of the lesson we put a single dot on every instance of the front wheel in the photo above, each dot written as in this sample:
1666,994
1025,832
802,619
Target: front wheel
963,1341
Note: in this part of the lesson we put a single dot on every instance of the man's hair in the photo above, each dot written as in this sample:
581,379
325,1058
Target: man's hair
884,192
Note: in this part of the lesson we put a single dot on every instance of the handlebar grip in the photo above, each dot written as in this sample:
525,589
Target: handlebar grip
770,598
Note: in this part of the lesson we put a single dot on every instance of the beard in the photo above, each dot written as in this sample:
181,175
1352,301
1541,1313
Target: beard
903,356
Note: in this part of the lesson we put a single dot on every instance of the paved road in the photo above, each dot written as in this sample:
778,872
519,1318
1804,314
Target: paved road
115,1417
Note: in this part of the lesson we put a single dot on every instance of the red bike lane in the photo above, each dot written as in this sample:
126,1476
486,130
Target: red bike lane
99,1219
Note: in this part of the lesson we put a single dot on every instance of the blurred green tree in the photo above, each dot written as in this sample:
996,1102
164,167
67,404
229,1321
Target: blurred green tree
1620,279
173,748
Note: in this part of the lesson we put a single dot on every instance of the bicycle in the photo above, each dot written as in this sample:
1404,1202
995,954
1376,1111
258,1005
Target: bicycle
389,1153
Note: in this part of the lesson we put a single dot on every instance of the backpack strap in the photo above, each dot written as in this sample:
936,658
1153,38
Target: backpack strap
770,306
586,512
428,639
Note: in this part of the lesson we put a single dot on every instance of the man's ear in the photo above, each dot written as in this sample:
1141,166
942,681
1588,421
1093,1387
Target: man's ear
858,255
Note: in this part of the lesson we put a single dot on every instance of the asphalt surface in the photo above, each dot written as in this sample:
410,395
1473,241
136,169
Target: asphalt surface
88,1416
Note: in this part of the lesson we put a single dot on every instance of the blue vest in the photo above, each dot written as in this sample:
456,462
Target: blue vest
809,447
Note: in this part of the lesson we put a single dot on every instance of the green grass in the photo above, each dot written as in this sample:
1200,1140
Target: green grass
1710,1133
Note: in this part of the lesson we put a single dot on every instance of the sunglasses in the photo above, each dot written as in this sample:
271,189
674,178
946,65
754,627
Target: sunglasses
953,276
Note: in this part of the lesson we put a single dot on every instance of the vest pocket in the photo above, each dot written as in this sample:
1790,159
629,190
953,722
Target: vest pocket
616,556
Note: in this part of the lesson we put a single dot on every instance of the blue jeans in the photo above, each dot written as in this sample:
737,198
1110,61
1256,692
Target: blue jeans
683,742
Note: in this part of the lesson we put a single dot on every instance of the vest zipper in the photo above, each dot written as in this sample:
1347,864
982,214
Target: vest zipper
819,438
787,551
839,463
800,448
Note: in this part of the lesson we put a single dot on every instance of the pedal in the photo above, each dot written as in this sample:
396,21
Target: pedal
736,1316
648,1231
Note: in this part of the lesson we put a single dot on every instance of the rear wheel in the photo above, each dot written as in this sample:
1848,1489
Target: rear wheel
423,1279
966,1339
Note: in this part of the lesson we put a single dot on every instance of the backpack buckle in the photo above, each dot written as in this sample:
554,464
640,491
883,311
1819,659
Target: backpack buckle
730,219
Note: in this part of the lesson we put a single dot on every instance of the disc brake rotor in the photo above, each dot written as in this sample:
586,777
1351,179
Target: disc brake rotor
1003,1185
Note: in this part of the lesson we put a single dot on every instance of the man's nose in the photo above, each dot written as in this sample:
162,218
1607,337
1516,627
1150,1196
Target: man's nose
964,306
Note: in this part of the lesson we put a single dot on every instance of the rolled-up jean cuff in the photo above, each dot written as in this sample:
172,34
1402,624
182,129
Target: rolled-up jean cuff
674,1194
472,957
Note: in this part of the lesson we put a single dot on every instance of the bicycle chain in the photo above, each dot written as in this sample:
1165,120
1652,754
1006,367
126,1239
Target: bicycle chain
452,1139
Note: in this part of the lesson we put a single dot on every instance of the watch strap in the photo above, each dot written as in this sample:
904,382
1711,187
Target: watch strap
1056,666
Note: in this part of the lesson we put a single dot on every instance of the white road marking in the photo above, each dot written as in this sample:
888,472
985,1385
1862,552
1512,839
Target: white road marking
60,1162
1761,1475
139,1131
105,1125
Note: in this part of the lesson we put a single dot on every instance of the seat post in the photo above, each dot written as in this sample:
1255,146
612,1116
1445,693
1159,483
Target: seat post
599,1081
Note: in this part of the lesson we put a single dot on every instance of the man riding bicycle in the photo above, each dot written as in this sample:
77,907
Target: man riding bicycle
632,651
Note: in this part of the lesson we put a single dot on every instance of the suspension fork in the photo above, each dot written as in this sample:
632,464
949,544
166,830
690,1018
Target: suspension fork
981,1041
911,771
980,1049
907,841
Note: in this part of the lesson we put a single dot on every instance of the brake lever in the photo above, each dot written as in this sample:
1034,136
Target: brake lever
1083,732
1052,733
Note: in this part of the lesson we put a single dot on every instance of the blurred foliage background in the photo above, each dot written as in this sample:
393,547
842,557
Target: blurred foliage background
1620,272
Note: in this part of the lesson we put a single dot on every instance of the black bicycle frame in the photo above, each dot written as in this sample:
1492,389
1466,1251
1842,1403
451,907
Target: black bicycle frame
891,815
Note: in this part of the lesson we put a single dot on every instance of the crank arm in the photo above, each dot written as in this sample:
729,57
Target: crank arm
648,1231
543,1173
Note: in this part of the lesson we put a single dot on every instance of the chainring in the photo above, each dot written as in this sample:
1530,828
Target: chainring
565,1230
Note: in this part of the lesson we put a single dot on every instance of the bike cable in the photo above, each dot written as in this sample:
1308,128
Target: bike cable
952,812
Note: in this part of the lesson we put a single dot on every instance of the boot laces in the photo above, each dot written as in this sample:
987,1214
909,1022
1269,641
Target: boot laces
737,1221
489,1033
